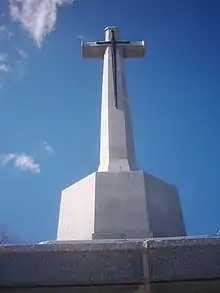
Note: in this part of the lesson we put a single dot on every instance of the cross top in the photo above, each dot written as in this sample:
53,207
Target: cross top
112,43
97,49
109,30
127,49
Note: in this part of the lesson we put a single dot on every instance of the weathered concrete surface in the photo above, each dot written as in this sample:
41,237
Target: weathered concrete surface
181,259
106,205
174,265
76,263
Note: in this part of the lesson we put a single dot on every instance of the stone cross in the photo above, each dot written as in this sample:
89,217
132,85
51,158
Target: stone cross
116,141
118,201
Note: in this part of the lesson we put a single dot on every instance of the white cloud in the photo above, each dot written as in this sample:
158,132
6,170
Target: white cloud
22,162
48,148
38,17
4,67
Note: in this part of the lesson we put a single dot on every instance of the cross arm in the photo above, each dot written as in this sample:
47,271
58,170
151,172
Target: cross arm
93,50
133,49
97,49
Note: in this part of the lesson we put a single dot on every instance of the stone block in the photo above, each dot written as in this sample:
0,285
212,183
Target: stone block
177,265
116,205
78,264
183,259
77,210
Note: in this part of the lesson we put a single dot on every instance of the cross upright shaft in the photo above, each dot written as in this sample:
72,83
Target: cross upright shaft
116,140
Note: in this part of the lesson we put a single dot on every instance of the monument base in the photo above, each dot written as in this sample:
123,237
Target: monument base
176,265
120,205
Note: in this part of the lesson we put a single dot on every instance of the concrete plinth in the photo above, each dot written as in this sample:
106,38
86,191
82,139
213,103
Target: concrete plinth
167,265
116,205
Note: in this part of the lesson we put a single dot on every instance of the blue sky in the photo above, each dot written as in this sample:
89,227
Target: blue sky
50,104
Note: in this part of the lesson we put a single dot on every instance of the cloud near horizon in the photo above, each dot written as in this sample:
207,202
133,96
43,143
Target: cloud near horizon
22,162
38,17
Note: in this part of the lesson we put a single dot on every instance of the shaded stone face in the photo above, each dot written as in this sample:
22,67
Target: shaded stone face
81,264
185,258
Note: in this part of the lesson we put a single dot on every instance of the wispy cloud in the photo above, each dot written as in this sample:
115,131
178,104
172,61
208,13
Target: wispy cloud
38,17
48,148
22,162
4,67
14,63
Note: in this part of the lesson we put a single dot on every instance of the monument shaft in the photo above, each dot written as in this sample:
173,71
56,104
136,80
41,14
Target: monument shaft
116,139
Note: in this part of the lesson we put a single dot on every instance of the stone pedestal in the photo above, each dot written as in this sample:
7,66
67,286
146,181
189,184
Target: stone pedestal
117,205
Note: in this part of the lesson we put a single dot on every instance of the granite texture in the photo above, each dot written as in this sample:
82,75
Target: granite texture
72,264
181,259
177,265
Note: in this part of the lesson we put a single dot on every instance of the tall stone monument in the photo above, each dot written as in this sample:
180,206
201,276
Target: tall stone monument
118,200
